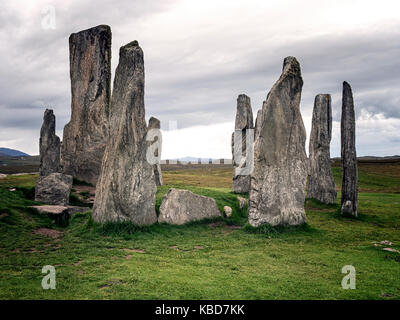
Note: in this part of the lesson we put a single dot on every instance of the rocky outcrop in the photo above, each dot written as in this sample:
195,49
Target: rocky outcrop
53,189
243,121
182,206
126,188
49,145
321,185
279,177
85,136
154,123
349,156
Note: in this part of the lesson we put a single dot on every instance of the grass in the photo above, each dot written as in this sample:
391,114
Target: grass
205,260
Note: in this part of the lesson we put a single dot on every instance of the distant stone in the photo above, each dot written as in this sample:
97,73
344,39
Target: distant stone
49,145
53,189
242,202
386,242
154,123
228,211
126,188
85,136
182,206
2,176
243,121
280,163
321,185
391,250
349,156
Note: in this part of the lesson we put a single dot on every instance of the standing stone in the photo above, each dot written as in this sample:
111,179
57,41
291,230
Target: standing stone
85,135
321,185
126,188
349,156
280,163
243,121
154,123
49,145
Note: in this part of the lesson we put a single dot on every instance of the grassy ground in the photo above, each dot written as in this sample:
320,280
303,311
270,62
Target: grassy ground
212,260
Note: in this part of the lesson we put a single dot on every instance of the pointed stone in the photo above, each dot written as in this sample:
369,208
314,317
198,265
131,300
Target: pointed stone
243,121
49,145
349,156
126,188
321,185
279,177
85,135
154,123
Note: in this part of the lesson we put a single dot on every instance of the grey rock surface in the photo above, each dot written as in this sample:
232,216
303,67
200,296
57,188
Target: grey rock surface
85,136
280,163
243,121
53,189
154,123
227,211
242,202
126,187
349,157
183,206
49,145
321,185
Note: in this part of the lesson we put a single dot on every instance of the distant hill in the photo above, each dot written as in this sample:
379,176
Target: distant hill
6,152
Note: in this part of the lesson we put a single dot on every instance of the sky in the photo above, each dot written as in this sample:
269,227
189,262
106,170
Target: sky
199,56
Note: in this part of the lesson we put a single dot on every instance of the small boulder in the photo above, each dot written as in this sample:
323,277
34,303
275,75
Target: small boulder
182,206
59,214
228,211
53,189
242,202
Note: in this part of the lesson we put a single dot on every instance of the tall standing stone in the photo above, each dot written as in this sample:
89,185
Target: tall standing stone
154,123
321,185
349,156
126,188
85,135
243,121
49,145
280,163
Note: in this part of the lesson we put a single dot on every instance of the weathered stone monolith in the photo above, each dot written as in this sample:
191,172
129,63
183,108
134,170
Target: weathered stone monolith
154,123
280,163
49,145
53,189
126,187
349,156
243,121
321,185
85,136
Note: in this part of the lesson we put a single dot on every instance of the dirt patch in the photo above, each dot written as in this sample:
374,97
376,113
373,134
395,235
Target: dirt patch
128,257
55,234
111,282
233,227
215,224
3,215
198,247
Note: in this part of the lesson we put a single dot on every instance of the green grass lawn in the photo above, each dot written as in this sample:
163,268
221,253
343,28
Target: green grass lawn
210,260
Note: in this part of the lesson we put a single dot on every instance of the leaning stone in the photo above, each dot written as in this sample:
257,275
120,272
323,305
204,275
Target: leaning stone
85,136
243,121
321,185
154,123
279,177
227,211
182,206
349,156
53,189
49,145
126,188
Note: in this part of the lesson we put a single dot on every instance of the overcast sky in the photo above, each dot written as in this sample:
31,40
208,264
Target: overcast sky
200,55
